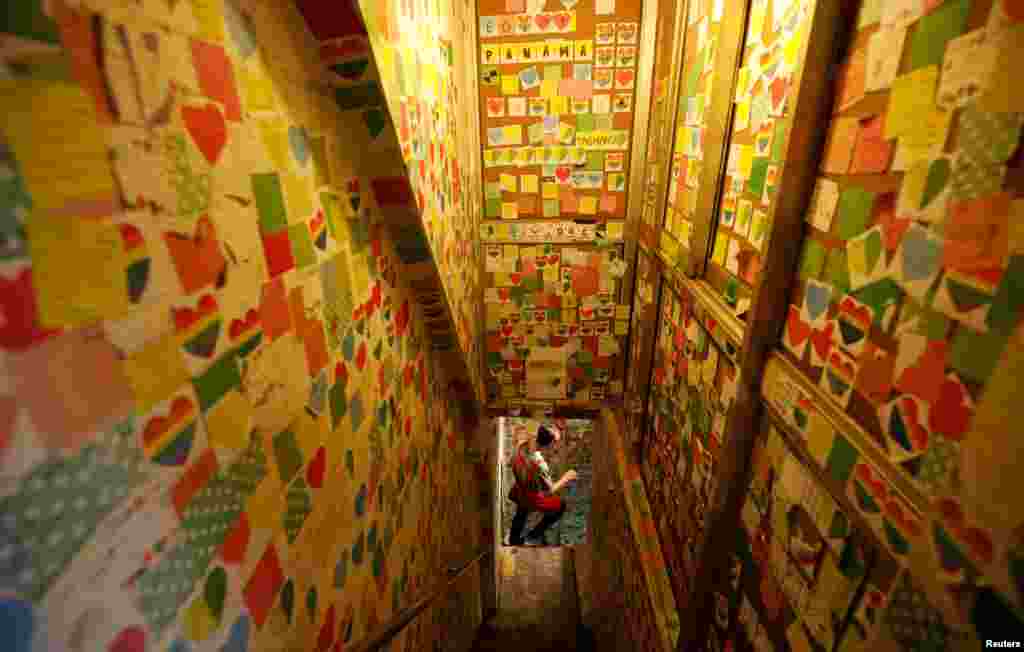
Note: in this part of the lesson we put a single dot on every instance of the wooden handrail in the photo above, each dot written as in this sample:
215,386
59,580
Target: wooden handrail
389,630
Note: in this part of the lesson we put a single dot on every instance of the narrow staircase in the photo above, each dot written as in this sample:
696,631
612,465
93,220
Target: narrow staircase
538,604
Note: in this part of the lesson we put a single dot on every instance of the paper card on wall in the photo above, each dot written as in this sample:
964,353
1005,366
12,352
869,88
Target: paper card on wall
967,64
885,50
529,78
583,51
901,12
60,148
580,107
604,57
550,190
852,83
625,56
567,197
538,107
559,105
609,203
495,107
912,96
602,104
759,229
509,85
935,29
839,152
509,210
603,78
925,190
744,216
508,183
551,208
530,183
588,205
513,135
823,204
872,153
528,205
719,251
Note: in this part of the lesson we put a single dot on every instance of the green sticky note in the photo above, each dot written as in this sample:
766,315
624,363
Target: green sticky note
585,122
758,176
693,75
842,457
493,208
934,30
550,208
1009,300
855,206
975,355
302,245
880,296
287,454
266,190
492,190
219,379
837,271
553,73
779,140
595,161
813,260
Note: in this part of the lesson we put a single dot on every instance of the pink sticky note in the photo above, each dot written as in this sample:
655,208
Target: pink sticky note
578,89
568,197
872,153
609,203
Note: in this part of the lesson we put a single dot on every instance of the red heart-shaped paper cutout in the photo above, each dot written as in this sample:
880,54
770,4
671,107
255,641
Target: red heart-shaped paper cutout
208,129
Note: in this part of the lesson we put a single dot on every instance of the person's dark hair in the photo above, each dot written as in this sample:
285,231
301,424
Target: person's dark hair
544,436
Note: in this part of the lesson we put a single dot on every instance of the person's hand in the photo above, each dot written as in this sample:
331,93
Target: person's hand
570,475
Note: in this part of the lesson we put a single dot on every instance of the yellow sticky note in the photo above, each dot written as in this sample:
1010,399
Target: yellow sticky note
78,270
508,183
912,96
615,230
61,151
530,183
229,423
550,190
275,140
746,162
929,129
721,245
588,205
509,210
266,505
509,85
513,134
559,105
155,372
298,193
210,17
549,88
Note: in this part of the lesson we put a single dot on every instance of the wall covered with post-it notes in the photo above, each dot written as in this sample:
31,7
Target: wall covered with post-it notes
427,86
756,149
659,134
697,79
693,386
556,327
908,295
227,422
556,101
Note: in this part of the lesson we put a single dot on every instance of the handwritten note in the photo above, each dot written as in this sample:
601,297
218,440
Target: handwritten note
60,149
912,96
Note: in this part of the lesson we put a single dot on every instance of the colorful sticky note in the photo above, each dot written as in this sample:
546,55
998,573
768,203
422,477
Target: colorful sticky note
61,150
934,30
855,206
912,96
